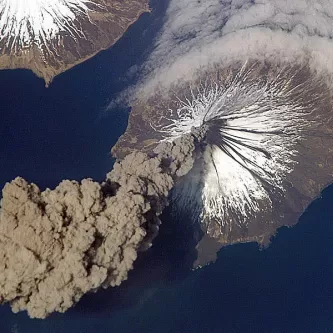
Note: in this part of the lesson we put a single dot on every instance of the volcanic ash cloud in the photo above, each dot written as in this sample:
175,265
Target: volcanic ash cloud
59,244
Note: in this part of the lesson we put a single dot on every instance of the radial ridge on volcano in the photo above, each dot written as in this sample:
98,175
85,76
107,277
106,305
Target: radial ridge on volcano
51,36
256,78
265,155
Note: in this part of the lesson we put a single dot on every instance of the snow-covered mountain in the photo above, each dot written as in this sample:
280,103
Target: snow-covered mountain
49,36
25,23
265,153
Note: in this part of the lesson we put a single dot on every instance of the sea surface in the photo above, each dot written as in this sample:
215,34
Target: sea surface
65,132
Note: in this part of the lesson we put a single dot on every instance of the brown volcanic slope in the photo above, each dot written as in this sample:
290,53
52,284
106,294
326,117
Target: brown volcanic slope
51,39
268,151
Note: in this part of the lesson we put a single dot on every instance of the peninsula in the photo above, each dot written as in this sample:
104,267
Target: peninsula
266,155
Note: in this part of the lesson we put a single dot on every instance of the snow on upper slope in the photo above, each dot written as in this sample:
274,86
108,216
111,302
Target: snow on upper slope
24,23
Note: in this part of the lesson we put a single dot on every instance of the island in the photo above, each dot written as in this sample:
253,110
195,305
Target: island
50,37
266,155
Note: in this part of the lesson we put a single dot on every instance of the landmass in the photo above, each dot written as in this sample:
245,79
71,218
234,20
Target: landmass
51,37
266,156
241,150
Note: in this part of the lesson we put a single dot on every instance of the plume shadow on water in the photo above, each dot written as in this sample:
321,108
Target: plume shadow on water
167,262
284,288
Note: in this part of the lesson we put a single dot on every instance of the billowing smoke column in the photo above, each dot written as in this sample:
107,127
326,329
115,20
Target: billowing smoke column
59,244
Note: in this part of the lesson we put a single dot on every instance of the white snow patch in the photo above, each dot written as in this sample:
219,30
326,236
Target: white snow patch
24,23
264,120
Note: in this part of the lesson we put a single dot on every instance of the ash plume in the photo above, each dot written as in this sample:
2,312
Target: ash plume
59,244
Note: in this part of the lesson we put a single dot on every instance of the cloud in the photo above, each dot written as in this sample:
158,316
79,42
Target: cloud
198,34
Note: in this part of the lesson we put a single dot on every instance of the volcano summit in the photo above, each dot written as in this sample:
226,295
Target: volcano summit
256,78
265,155
51,36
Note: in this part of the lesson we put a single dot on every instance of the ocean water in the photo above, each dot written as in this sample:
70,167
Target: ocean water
64,132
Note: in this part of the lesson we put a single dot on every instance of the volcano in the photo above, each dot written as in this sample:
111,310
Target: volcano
266,154
51,36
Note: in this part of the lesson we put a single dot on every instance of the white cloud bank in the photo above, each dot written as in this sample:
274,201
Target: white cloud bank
197,34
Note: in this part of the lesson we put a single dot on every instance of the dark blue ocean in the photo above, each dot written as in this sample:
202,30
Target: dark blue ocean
64,132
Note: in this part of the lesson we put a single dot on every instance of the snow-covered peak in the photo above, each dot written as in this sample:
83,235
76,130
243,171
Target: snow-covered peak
27,22
51,36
